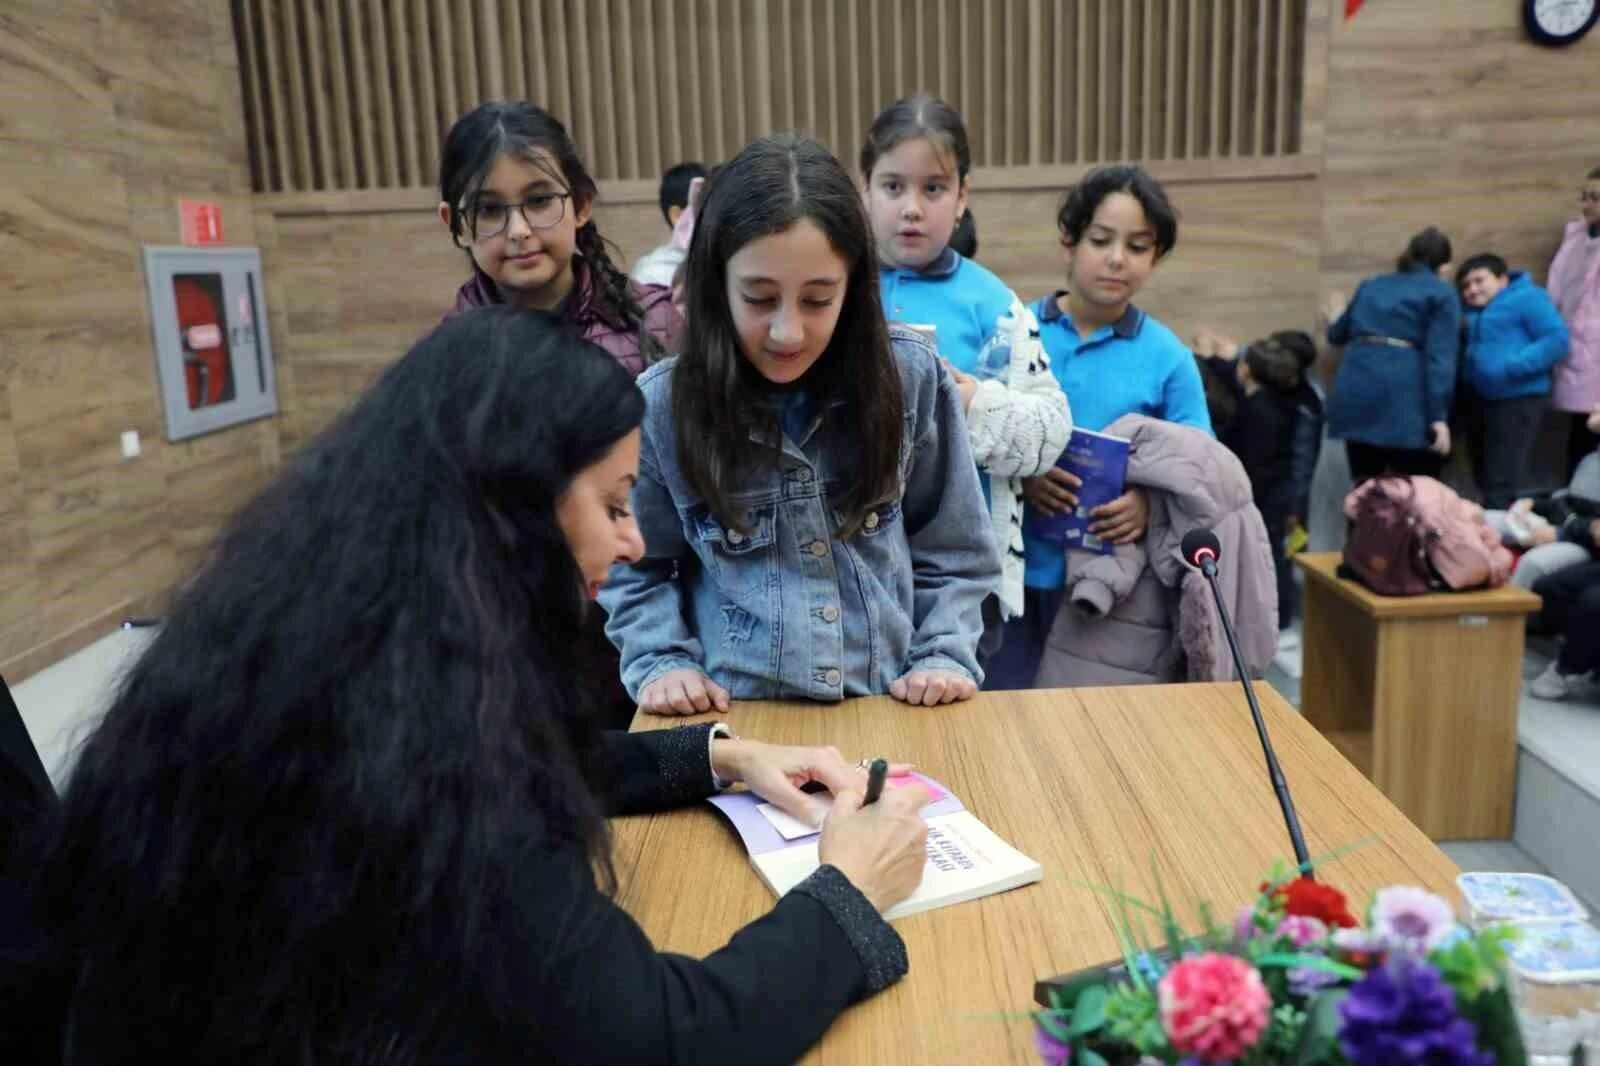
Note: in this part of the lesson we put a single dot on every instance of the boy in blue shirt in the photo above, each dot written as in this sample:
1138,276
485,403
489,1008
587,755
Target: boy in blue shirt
1514,338
1111,359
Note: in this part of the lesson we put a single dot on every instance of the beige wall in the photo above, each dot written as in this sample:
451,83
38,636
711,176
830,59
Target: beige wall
109,111
1416,113
1444,114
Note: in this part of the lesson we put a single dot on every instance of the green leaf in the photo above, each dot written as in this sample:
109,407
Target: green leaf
1052,1024
1208,921
1106,890
1169,922
1089,1013
1090,1058
1125,939
1320,963
1321,1030
1496,1019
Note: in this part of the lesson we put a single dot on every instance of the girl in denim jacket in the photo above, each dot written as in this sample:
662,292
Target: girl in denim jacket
813,523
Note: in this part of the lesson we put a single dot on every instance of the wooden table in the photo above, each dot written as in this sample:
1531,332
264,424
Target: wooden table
1098,785
1420,693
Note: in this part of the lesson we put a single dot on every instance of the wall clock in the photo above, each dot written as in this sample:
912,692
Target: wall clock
1558,23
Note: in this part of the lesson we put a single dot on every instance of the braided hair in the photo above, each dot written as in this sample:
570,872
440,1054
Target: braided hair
521,128
614,300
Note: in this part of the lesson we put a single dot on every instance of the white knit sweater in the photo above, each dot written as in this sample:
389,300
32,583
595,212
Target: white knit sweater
1018,426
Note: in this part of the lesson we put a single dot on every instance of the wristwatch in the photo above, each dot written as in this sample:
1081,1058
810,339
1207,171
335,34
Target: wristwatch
720,731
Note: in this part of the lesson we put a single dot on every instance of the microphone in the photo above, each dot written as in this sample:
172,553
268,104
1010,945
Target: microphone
1202,550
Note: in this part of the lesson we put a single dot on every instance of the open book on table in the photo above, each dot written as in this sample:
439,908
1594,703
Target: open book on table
966,860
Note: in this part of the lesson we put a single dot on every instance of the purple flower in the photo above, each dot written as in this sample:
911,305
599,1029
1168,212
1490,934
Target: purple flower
1411,919
1051,1050
1306,982
1358,942
1404,1013
1244,924
1302,932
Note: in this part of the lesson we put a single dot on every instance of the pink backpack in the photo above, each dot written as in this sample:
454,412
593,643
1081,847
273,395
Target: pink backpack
1411,535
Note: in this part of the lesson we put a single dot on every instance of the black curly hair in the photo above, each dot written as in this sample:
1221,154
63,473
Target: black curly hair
290,835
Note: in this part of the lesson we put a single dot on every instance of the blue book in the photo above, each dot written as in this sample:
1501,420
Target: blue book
1101,462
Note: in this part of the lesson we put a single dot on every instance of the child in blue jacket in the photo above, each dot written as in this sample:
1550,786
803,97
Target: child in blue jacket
1514,338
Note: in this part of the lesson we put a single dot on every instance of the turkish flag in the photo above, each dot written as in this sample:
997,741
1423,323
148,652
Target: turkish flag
1350,8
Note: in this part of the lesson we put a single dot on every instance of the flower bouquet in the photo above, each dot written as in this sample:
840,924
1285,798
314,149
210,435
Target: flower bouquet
1295,979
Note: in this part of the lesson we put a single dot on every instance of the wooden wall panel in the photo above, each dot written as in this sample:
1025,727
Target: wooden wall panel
1453,121
646,83
143,103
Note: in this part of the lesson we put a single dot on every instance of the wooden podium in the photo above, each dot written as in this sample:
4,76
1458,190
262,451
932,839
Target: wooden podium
1420,693
1099,785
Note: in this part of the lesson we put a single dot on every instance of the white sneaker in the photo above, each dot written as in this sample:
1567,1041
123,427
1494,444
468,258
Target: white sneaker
1553,684
1288,640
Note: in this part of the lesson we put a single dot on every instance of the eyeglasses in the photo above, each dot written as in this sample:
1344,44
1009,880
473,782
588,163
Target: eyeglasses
539,212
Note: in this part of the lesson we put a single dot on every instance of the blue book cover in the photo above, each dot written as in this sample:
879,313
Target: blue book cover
1101,462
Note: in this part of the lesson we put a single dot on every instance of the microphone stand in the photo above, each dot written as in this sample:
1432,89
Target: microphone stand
1208,567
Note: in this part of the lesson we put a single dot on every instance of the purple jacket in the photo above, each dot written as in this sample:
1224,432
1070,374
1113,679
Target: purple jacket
661,319
1142,615
1577,381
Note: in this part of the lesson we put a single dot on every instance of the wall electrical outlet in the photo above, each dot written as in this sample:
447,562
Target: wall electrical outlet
130,444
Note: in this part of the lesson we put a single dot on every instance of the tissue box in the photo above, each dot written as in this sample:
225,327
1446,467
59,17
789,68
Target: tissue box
1517,897
1555,970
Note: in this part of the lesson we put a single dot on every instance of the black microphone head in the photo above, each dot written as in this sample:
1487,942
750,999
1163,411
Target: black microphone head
1199,545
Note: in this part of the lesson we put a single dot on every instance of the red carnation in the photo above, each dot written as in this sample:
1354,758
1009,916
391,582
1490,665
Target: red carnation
1306,898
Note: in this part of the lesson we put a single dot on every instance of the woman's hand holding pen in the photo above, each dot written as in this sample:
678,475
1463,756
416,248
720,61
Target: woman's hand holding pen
878,846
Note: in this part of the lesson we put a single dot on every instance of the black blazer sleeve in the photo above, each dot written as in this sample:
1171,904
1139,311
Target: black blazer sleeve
657,771
590,988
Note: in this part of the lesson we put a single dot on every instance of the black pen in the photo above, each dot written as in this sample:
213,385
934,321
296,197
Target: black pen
875,777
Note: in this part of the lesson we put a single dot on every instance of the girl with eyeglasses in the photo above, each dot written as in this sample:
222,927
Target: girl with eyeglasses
515,195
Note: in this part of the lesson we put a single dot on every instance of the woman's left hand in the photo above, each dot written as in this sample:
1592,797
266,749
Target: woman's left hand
1124,519
778,772
930,688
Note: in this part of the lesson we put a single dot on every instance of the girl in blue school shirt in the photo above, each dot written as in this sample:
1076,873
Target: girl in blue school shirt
914,167
1112,360
810,507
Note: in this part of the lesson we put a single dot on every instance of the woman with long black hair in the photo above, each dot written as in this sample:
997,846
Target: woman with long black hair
349,806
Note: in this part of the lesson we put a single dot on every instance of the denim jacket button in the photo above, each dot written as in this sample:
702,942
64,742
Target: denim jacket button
830,613
818,548
735,537
802,475
832,677
872,520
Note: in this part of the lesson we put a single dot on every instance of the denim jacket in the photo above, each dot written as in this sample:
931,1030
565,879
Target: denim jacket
788,610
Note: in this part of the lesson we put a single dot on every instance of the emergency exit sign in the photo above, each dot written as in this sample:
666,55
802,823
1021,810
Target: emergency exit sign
201,222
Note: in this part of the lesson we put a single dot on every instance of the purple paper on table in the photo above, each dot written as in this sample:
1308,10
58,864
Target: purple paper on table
760,836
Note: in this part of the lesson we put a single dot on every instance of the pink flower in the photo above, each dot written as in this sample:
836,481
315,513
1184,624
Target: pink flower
1411,919
1213,1006
1302,932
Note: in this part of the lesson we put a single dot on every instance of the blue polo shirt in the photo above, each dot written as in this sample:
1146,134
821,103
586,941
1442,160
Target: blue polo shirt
1135,366
962,300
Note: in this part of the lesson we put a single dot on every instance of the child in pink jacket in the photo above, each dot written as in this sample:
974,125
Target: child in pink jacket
1574,283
